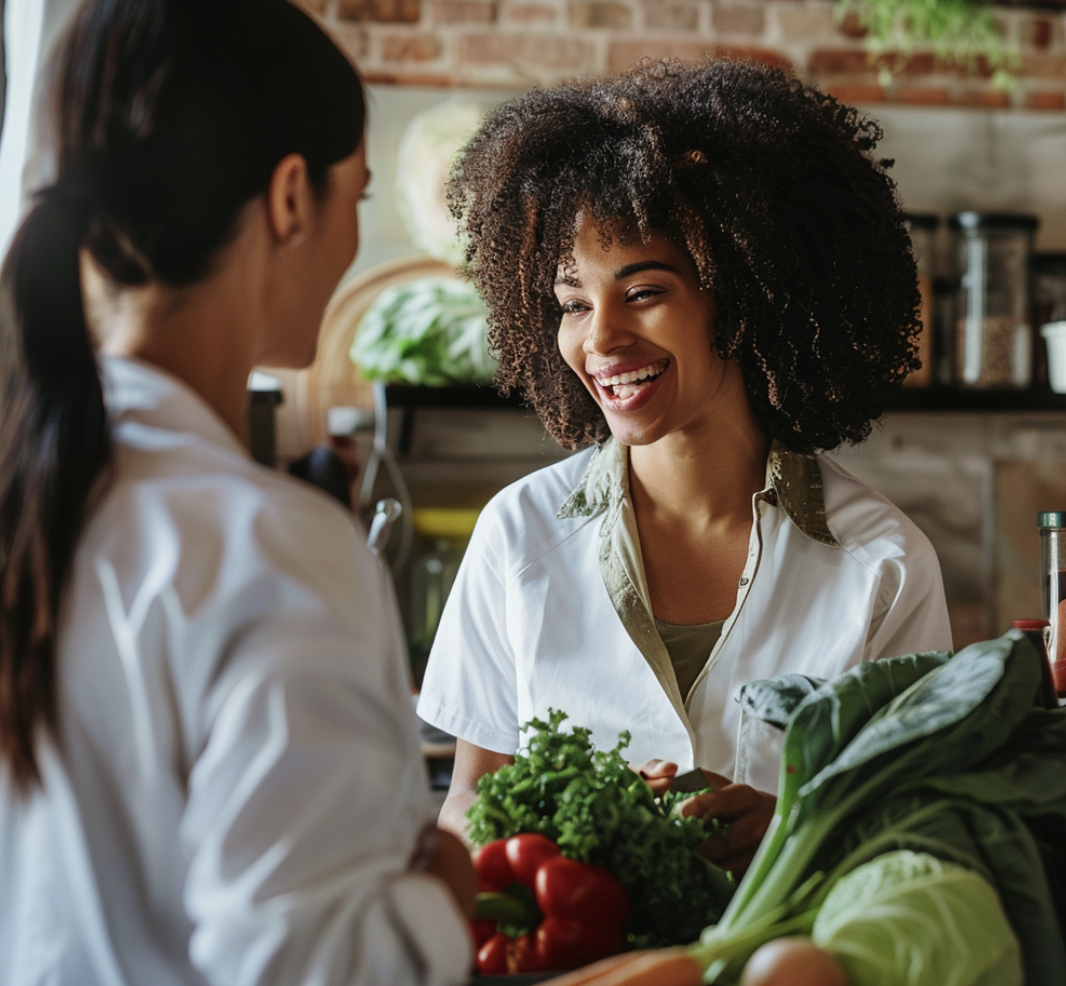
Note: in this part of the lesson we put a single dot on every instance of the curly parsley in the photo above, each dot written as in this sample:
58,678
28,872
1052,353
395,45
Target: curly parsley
599,811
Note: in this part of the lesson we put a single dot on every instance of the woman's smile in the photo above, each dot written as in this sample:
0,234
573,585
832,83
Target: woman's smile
621,385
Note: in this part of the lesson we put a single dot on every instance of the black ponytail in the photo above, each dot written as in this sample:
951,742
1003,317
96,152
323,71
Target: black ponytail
54,446
167,117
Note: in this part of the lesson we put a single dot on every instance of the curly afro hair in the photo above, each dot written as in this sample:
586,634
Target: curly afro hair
793,226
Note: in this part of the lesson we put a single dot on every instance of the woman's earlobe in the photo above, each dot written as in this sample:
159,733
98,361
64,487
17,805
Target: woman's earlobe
288,199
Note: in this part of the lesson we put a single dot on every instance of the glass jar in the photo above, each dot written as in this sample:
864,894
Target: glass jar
922,228
1052,524
1048,275
993,334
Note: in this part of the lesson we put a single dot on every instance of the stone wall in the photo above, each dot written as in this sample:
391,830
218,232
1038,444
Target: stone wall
518,43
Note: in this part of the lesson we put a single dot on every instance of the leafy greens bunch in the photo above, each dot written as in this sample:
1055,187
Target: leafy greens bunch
949,757
599,811
432,331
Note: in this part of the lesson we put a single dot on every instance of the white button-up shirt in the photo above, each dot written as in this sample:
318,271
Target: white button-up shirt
550,610
236,787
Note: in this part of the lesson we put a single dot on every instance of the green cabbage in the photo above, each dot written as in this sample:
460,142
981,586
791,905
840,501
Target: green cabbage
431,331
909,919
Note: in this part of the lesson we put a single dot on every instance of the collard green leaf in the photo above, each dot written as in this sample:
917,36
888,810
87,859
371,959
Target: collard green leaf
775,700
964,710
828,720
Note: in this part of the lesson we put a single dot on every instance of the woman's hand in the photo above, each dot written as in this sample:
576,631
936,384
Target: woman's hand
443,854
657,773
748,813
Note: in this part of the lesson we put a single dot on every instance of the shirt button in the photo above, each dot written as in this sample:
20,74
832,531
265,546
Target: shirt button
744,581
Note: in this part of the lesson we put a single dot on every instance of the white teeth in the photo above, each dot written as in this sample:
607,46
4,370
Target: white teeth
634,376
625,390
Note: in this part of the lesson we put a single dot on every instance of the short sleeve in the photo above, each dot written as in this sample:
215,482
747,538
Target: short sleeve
910,614
470,689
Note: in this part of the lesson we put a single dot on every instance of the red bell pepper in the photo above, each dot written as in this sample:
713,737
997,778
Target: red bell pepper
576,913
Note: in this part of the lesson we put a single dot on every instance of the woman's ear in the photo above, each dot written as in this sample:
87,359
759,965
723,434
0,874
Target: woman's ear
289,199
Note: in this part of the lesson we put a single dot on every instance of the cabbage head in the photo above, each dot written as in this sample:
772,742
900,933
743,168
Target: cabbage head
910,919
431,331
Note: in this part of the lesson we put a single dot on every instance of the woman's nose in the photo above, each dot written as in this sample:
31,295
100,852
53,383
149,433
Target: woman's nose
606,332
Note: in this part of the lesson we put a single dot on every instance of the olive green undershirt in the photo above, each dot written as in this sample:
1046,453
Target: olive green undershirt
689,648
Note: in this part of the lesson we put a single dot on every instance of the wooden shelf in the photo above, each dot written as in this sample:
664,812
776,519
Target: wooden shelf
937,399
406,396
927,401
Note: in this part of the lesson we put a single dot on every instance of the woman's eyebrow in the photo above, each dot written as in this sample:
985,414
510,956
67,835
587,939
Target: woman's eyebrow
640,265
569,280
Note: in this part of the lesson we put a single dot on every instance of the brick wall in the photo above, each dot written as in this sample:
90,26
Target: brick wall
517,43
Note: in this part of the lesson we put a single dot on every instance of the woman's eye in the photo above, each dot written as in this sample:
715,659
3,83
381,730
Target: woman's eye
573,307
642,294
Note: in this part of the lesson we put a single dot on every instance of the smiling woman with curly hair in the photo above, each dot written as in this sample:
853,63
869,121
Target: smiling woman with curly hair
769,186
702,272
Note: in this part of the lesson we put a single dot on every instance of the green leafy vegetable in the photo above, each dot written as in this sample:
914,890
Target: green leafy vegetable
431,331
947,756
599,811
963,33
909,919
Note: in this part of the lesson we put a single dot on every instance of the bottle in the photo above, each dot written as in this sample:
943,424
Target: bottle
1052,524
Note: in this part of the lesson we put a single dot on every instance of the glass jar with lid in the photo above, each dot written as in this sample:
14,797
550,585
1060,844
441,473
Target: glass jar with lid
922,227
993,333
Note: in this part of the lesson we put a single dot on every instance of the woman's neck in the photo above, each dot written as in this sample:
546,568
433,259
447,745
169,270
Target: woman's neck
705,475
203,334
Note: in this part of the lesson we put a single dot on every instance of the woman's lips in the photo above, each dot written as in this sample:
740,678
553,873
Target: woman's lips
632,389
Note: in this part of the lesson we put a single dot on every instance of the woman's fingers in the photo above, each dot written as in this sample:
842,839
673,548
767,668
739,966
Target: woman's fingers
657,773
748,813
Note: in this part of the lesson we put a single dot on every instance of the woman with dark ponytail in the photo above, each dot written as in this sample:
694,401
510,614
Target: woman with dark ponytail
209,771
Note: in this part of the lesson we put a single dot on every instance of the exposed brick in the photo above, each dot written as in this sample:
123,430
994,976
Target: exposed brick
1045,101
600,13
464,12
838,61
743,53
410,47
986,99
551,51
738,20
622,54
352,39
531,13
804,23
670,16
1043,67
851,27
857,93
919,96
381,11
1037,32
920,63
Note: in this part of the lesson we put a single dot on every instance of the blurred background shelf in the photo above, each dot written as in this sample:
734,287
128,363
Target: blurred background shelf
411,398
992,401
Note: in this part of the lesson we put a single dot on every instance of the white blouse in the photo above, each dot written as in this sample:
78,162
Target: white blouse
236,787
550,610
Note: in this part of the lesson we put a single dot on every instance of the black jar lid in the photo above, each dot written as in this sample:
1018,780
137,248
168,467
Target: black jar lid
994,220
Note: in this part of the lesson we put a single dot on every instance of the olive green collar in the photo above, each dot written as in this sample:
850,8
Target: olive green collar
793,481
